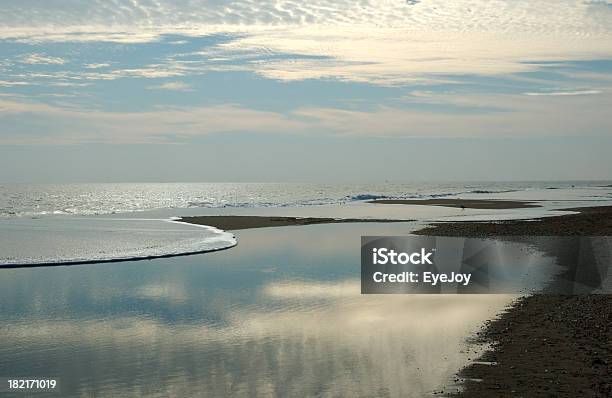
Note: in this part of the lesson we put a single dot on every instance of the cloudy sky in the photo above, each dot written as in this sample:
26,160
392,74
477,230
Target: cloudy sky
273,90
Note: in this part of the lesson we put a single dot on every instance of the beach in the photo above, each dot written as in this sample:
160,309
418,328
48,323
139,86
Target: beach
543,345
589,221
461,203
234,223
238,222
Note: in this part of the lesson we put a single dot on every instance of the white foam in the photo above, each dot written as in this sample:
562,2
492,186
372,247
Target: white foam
55,241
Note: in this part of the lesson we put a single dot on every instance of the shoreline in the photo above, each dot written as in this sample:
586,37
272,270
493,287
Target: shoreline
234,223
112,260
543,344
496,204
589,221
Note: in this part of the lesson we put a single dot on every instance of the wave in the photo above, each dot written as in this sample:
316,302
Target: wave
493,191
366,196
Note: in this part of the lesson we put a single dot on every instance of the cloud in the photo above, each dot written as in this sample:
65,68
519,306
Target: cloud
564,93
378,42
387,43
477,115
68,84
66,125
175,86
514,116
41,59
4,83
517,15
97,66
150,71
376,55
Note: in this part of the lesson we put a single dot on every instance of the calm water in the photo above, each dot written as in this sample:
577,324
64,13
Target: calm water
278,315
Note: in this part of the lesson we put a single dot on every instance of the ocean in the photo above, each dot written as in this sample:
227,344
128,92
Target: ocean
80,223
30,200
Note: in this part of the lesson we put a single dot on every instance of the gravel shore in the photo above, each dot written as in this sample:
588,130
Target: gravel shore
544,345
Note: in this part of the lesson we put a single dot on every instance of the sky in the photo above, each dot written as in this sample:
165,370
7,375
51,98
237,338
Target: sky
273,90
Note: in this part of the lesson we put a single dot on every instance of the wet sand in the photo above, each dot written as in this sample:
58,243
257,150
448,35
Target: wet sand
233,223
545,345
590,221
460,203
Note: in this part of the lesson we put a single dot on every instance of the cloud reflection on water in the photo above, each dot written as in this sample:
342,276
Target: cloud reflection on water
343,344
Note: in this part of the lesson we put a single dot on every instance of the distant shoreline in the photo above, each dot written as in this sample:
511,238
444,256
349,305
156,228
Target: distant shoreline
544,345
234,223
461,203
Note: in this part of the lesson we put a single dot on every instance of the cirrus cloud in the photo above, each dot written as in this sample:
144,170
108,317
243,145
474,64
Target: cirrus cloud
41,59
173,86
386,42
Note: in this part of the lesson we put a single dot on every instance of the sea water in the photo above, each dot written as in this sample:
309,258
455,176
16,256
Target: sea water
33,200
76,223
